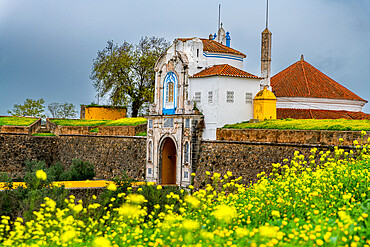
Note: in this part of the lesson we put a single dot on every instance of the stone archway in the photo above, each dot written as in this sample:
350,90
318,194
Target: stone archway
168,164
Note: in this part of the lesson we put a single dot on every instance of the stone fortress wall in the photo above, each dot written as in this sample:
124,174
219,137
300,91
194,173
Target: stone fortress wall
112,154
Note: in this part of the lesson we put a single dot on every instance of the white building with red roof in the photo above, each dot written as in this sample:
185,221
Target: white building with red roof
200,85
303,91
208,74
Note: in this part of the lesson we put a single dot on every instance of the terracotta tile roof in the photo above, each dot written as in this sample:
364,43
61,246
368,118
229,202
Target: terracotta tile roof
319,114
303,80
224,70
214,46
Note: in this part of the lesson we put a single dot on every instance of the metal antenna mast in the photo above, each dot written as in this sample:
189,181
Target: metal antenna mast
267,14
219,16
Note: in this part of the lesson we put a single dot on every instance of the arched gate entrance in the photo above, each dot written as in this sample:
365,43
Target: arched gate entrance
168,162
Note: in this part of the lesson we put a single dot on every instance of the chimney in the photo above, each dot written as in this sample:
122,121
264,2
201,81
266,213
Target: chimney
266,58
228,39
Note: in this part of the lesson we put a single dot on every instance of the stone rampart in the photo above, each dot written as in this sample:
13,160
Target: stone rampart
121,130
110,155
103,130
113,154
247,159
322,137
26,130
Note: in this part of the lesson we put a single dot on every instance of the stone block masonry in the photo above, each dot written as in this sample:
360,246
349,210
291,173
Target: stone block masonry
113,154
313,137
110,155
246,159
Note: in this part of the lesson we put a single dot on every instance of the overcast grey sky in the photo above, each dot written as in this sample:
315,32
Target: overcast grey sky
47,46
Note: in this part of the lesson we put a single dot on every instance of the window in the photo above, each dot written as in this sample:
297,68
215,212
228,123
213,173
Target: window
248,98
187,123
150,152
149,170
186,174
210,97
169,93
230,97
186,152
197,52
197,97
168,123
150,123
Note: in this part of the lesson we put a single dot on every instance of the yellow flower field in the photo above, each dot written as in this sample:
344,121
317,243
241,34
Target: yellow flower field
320,200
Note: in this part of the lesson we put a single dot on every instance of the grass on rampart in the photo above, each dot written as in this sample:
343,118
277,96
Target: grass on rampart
78,122
43,134
16,121
305,124
127,122
90,122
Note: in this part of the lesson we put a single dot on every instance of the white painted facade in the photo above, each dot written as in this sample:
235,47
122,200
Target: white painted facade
320,104
173,117
223,100
198,59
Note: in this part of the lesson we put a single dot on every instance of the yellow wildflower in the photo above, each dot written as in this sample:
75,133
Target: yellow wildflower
101,242
225,213
40,174
112,187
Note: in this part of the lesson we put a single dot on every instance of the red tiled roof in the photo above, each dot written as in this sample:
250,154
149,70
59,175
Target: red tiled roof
303,80
224,70
319,114
214,46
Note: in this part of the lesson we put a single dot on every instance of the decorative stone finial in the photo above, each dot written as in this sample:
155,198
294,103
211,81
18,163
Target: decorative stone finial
210,37
302,58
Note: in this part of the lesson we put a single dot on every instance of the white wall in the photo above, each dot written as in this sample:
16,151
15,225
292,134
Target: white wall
224,58
219,112
320,104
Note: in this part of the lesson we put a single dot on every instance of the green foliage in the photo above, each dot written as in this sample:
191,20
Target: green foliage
126,72
89,122
127,122
17,121
305,124
78,122
95,130
43,134
32,108
123,183
65,110
22,201
4,177
80,170
141,134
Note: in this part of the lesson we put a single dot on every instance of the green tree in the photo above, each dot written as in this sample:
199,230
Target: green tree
126,72
65,110
31,108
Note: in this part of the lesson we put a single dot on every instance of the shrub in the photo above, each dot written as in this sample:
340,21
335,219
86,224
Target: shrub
4,177
80,170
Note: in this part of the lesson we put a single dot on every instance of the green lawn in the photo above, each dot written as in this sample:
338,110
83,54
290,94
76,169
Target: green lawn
88,122
305,124
127,121
17,121
43,134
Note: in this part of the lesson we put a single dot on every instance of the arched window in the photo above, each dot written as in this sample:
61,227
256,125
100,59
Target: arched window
169,93
186,152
